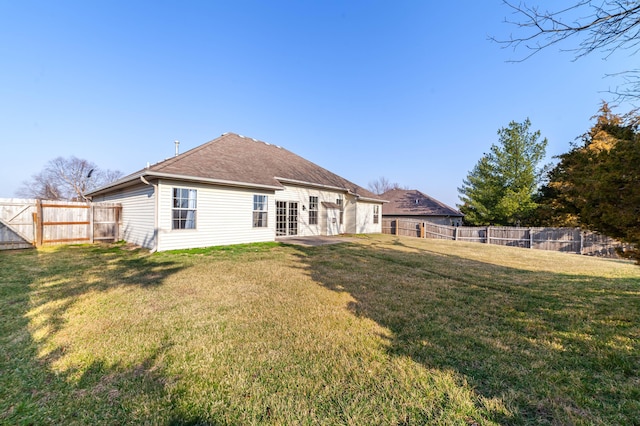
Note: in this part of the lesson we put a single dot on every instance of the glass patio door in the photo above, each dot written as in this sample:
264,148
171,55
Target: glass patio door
286,218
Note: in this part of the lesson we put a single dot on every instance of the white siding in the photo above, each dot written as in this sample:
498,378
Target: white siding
358,215
138,214
350,214
364,218
301,195
224,216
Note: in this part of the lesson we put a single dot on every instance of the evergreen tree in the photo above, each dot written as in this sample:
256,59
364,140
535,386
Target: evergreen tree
597,184
500,188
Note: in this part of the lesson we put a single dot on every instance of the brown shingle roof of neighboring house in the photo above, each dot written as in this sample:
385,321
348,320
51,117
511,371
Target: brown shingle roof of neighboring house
411,202
237,160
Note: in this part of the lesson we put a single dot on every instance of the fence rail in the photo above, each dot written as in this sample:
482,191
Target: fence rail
571,240
26,223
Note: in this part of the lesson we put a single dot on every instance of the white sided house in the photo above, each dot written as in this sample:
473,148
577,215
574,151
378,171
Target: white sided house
235,190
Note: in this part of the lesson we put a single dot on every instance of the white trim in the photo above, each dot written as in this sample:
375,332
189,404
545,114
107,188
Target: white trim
370,200
131,180
214,181
335,188
312,185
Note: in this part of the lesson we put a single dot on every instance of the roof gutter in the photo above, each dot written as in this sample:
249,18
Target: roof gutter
156,234
334,188
374,200
146,175
315,185
214,181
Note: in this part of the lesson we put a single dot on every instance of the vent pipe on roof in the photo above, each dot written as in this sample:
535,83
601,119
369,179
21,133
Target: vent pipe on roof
177,147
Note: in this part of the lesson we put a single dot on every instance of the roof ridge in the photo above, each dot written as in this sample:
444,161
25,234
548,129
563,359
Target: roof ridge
188,153
416,193
232,157
439,202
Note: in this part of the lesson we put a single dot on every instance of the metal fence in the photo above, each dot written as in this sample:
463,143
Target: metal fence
572,240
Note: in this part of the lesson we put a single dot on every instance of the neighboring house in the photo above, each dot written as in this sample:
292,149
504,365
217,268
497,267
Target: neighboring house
234,190
413,204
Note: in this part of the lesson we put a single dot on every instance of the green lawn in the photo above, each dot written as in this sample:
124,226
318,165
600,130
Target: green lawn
383,330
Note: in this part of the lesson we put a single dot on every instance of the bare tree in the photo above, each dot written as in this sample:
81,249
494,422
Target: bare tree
66,179
605,26
382,185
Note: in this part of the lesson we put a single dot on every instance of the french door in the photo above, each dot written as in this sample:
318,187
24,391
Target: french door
286,218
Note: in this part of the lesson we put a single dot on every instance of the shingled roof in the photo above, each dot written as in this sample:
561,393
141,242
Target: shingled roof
241,161
411,202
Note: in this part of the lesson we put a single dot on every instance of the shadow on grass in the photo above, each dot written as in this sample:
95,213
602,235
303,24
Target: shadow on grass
554,348
50,282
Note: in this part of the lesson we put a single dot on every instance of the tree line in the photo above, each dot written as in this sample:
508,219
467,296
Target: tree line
66,179
595,185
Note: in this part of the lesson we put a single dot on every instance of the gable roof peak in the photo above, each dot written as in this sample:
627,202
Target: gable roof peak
235,159
416,203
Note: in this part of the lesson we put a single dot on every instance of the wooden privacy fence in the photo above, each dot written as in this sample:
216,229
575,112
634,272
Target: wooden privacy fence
29,223
572,240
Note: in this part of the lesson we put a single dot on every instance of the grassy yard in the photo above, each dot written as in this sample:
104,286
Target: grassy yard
378,331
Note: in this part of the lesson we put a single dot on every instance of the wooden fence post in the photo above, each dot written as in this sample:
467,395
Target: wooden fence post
39,224
34,217
530,238
117,225
422,230
488,235
455,234
91,213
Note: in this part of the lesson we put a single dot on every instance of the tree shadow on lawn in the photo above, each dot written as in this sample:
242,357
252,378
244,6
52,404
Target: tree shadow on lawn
554,348
37,289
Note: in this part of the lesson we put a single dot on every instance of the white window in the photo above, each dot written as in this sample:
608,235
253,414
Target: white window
339,202
183,213
260,203
376,214
313,210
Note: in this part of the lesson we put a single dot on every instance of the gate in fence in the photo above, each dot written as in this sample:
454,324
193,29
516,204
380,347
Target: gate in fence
572,240
33,223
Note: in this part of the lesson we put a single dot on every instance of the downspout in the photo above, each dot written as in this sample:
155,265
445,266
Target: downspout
156,234
356,217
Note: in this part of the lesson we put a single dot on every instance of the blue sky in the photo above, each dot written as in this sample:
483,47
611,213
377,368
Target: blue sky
410,90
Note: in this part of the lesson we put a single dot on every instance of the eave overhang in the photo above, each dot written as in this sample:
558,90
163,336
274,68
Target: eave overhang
151,175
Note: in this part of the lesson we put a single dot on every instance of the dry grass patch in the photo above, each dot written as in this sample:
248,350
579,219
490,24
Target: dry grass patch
378,331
